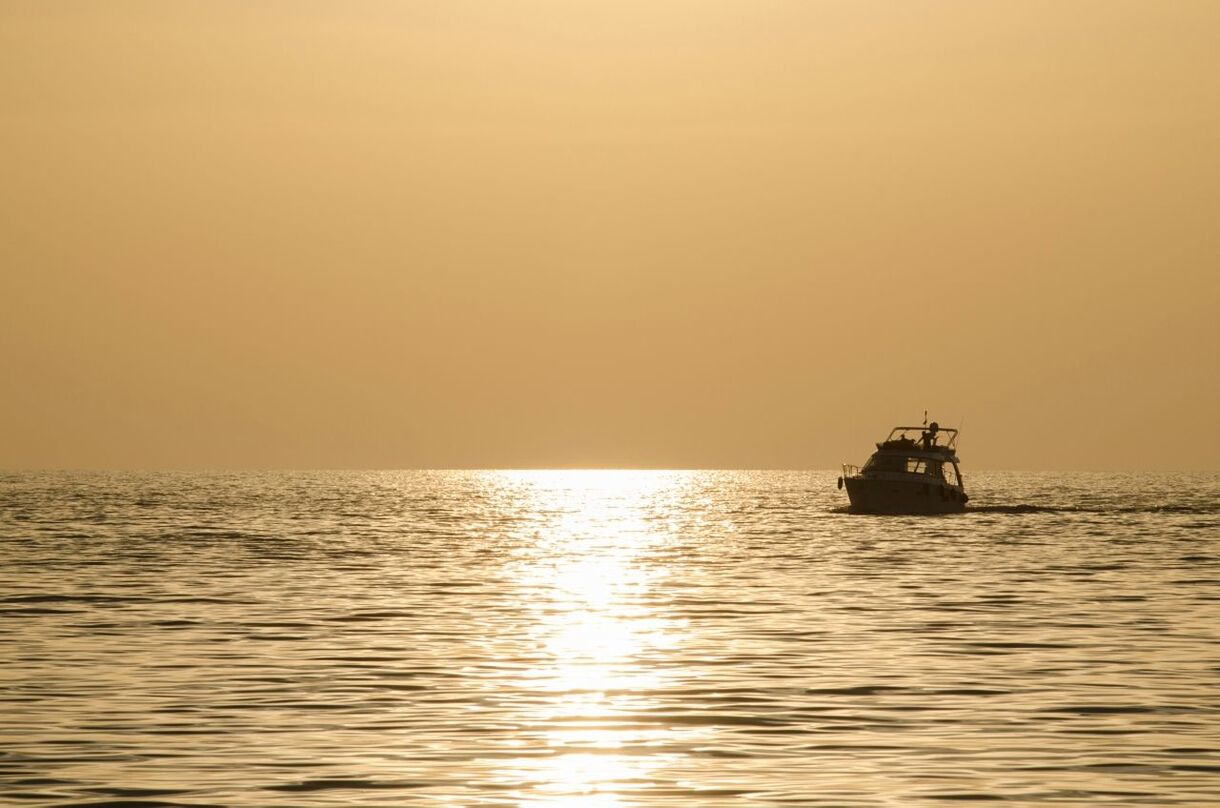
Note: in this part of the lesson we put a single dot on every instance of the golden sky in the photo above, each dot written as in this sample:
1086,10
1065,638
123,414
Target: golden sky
629,233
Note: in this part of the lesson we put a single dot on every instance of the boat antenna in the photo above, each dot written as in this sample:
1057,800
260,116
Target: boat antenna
925,417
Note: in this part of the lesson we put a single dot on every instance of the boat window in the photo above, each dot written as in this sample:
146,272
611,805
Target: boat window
884,462
911,465
950,473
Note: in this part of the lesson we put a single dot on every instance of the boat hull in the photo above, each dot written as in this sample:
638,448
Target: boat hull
890,496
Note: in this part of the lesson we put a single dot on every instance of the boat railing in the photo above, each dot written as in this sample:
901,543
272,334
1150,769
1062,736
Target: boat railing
944,438
850,470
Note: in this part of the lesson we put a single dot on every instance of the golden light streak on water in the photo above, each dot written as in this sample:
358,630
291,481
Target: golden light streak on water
587,589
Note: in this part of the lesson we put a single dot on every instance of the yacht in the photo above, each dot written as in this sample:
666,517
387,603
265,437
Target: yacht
913,471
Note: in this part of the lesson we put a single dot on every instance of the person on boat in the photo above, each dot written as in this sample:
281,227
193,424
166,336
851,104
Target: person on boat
929,436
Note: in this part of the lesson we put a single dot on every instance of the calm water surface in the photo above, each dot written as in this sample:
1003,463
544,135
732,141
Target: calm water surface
605,639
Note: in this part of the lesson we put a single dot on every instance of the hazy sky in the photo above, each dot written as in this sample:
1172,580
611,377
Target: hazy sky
679,234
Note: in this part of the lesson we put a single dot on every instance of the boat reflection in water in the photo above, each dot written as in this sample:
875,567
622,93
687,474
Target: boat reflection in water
913,471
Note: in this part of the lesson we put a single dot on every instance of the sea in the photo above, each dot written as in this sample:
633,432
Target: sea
605,638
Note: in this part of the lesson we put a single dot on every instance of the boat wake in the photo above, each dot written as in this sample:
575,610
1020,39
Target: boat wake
1027,508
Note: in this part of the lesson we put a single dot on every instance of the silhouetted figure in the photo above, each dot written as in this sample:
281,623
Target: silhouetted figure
929,436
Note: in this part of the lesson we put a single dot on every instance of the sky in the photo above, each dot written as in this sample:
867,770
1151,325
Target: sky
554,233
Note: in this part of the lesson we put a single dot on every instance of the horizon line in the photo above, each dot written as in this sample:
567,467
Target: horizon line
302,469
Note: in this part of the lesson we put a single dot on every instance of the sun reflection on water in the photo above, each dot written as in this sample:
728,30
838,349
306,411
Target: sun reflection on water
586,587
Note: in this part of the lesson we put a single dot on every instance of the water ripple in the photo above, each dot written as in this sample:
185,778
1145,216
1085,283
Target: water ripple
604,639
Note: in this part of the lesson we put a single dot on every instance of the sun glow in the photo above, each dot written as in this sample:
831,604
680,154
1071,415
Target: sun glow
586,583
